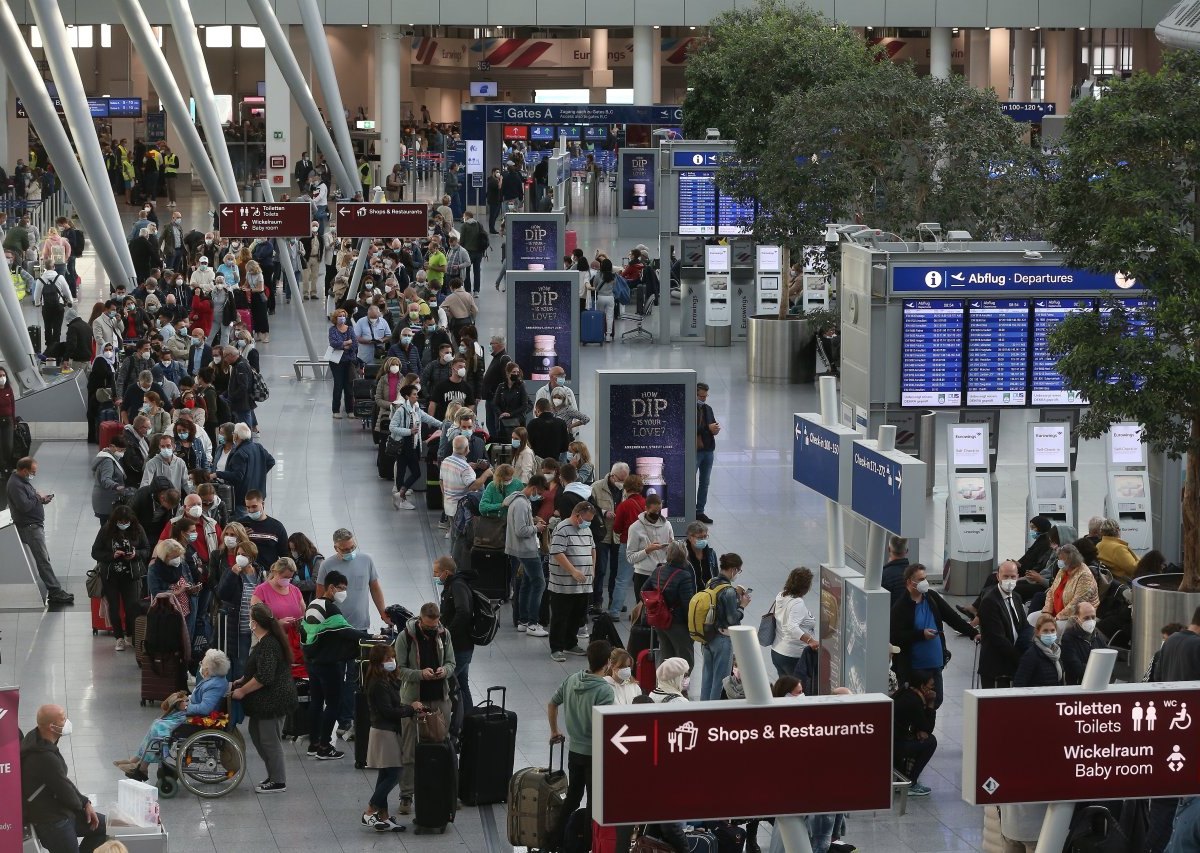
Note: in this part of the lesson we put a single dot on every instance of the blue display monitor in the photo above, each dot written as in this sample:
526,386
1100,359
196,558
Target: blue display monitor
125,107
734,216
997,352
1047,387
697,204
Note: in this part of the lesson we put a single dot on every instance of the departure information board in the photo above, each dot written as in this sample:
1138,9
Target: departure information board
1135,325
734,216
931,359
697,203
1048,388
997,352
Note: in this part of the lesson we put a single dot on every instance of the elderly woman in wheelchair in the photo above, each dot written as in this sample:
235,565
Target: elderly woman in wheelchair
190,741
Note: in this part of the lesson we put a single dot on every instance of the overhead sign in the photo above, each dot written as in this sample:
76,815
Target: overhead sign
1027,112
821,456
266,220
1127,742
1012,278
98,107
390,219
474,156
666,748
878,490
582,114
697,159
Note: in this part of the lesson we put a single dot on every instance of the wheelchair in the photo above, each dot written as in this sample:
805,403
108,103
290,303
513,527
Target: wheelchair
201,755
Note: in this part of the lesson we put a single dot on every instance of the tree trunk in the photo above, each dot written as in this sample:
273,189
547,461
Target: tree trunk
785,264
1191,517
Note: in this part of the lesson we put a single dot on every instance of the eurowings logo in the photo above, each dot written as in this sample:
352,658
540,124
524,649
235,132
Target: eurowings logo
891,47
675,50
515,53
424,49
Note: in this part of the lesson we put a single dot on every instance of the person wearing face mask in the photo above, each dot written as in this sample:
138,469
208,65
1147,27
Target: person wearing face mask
308,562
241,574
436,373
917,628
701,556
1073,584
170,573
522,538
406,352
106,326
203,275
458,608
1003,629
455,390
915,715
52,805
558,380
606,494
1039,544
340,358
121,550
312,253
1041,664
269,695
524,460
247,467
108,478
389,714
266,532
101,383
199,353
509,401
165,464
1078,640
405,429
619,675
372,333
388,385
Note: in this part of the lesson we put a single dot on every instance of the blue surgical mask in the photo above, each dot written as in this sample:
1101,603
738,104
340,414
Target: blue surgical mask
166,452
123,525
1061,564
1048,639
220,440
516,443
701,544
535,499
389,666
1033,534
350,555
255,516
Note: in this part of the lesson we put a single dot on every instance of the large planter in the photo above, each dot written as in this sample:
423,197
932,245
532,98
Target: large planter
780,351
1156,602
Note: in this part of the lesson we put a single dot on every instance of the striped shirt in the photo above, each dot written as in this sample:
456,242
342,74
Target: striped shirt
577,544
457,475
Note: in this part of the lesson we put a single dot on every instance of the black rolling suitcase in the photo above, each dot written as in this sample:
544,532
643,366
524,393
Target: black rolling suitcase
491,569
436,787
226,509
433,486
489,744
298,723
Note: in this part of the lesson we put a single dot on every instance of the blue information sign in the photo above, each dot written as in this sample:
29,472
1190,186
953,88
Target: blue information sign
816,457
877,484
1047,387
583,113
697,203
696,159
1014,279
1027,112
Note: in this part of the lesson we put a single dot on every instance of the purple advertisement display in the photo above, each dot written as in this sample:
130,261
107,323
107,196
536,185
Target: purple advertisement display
10,772
535,246
638,192
646,431
542,337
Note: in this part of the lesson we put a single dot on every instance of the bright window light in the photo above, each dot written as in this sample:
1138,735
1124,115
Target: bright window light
618,96
76,37
218,36
106,35
251,37
561,96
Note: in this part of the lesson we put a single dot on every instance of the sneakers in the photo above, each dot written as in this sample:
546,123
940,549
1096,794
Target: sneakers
406,504
389,824
346,732
400,501
337,416
270,788
916,789
328,753
313,749
702,517
536,630
558,657
576,650
522,627
120,647
60,597
405,805
583,631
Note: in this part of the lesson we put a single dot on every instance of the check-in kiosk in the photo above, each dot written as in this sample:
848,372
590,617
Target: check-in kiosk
1128,499
970,515
769,279
718,296
991,417
741,284
1053,490
691,287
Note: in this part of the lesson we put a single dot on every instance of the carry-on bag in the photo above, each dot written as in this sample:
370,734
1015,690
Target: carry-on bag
489,745
298,723
435,787
491,568
591,327
535,804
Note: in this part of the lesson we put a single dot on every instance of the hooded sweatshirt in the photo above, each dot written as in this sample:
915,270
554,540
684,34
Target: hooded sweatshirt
577,695
49,794
644,532
521,534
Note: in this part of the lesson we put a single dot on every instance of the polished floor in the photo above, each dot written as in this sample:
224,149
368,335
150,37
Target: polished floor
325,478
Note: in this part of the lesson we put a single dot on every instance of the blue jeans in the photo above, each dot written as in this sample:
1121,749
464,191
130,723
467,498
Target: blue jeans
385,783
784,665
624,579
63,836
718,663
607,563
326,683
533,585
704,463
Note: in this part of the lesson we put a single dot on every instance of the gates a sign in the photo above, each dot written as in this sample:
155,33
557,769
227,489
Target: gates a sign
391,219
266,220
654,763
1127,742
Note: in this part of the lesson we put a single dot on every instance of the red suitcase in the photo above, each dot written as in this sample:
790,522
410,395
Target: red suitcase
99,624
109,429
571,242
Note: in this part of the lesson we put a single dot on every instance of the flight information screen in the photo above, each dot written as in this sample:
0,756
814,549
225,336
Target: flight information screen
931,357
698,203
997,352
734,216
1135,324
1047,387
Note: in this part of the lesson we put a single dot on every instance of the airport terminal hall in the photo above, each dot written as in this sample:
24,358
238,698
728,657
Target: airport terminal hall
650,426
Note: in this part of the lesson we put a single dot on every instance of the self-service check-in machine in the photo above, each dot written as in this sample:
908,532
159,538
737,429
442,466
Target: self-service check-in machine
769,279
991,417
691,287
718,296
1053,489
1128,499
970,513
741,284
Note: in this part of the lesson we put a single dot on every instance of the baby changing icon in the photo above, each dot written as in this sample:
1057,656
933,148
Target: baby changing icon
683,738
1175,760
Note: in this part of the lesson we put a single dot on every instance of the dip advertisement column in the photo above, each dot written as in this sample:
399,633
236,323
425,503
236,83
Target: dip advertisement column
648,420
535,241
543,322
637,182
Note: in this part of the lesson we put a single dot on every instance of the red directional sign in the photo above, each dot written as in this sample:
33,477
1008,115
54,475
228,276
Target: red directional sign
654,763
1127,742
266,220
390,219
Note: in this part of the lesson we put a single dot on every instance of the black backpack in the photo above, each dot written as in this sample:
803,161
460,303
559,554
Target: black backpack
485,619
164,630
1095,830
51,295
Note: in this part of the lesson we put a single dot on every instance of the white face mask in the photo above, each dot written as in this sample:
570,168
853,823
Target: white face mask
624,673
394,369
1088,625
389,666
175,561
67,728
1008,585
462,371
923,587
242,560
340,596
231,541
195,511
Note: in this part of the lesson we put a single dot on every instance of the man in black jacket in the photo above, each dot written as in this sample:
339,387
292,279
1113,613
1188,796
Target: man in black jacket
137,451
241,384
1078,639
548,435
458,609
52,804
493,377
893,569
154,506
1003,631
917,628
915,714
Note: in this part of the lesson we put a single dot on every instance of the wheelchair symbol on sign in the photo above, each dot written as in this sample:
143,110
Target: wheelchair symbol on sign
1182,719
933,278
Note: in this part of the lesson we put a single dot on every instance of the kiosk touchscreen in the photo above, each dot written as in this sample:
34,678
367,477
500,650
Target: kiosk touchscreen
1053,491
769,278
718,315
970,516
1128,499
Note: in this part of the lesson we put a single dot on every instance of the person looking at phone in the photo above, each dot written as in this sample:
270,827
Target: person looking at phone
27,506
916,628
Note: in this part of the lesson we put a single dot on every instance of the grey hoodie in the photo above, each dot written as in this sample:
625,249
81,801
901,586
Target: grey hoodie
107,475
643,532
521,534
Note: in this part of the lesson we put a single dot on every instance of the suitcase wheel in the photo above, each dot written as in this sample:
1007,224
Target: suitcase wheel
95,632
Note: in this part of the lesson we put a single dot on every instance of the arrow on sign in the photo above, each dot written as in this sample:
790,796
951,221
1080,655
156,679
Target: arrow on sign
343,211
226,211
620,739
898,480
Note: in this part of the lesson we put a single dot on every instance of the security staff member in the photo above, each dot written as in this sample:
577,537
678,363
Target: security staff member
170,167
364,177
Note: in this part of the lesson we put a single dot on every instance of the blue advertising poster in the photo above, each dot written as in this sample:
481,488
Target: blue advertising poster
647,426
638,192
542,336
535,245
816,458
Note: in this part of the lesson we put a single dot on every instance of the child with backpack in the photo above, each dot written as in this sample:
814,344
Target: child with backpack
711,613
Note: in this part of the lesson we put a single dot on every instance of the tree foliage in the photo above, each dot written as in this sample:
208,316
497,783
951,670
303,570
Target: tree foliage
1127,201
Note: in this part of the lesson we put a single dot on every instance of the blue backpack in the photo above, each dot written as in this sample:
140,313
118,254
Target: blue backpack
621,291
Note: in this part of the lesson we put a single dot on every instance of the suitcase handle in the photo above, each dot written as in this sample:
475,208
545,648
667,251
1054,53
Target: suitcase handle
488,705
562,757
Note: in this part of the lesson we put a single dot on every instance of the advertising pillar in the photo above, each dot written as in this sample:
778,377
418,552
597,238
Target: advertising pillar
543,323
647,419
536,241
637,173
11,829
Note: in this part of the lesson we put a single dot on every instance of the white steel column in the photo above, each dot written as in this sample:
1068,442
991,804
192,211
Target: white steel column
1022,71
387,65
978,57
939,52
643,66
599,75
1001,81
322,60
656,69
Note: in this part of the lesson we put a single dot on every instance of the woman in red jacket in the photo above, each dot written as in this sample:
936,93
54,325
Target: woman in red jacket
8,417
202,312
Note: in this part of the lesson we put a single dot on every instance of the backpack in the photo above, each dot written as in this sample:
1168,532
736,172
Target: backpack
702,612
164,630
259,392
51,295
485,619
621,291
655,608
58,254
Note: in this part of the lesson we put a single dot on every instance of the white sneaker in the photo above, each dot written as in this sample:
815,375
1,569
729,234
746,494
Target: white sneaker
536,630
337,416
121,645
397,500
583,632
522,627
405,504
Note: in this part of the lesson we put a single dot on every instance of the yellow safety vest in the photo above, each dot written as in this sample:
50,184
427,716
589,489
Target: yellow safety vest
18,285
32,159
171,163
364,172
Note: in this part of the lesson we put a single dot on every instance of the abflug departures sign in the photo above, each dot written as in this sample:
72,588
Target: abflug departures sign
542,334
1127,742
677,752
647,430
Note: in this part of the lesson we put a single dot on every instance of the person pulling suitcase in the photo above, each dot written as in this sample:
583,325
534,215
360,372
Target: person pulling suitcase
458,609
388,712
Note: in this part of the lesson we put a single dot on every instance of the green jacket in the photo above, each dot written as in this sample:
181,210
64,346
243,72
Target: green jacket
492,501
407,663
577,695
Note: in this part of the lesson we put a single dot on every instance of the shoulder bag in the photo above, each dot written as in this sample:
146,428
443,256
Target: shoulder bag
768,628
